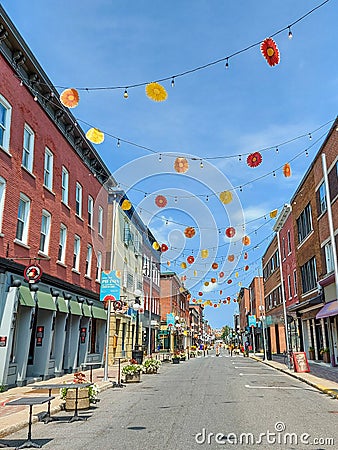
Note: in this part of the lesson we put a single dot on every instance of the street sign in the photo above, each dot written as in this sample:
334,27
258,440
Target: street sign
110,286
32,273
252,321
170,320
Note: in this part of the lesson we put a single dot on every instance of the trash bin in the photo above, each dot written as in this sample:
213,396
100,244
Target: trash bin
268,354
137,355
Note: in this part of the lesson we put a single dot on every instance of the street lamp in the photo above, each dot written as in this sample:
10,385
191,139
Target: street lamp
137,354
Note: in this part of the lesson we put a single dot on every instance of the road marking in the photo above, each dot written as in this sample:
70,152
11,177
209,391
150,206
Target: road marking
243,367
261,374
272,387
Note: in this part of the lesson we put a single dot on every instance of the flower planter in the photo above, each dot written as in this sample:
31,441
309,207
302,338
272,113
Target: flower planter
176,360
82,401
151,370
311,354
133,378
326,357
182,358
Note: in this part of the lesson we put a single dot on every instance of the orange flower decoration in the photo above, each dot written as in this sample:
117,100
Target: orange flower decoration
254,159
213,280
270,51
161,201
190,259
164,247
70,98
231,258
189,232
230,232
214,266
246,240
181,165
287,170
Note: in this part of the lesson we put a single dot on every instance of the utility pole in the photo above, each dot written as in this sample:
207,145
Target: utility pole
150,304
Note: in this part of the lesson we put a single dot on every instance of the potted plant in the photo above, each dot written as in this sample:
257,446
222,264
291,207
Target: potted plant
183,356
176,358
326,354
86,395
311,353
132,372
151,365
192,352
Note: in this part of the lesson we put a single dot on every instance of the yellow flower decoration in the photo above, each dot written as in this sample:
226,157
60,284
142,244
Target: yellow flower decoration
126,205
206,283
95,135
225,197
183,265
273,213
195,273
204,253
156,245
156,92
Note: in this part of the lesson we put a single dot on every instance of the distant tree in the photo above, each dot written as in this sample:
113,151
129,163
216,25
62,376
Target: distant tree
225,332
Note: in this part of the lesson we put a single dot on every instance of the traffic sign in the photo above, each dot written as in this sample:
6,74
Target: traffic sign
32,273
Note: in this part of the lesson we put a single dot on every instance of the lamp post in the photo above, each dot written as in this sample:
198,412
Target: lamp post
137,354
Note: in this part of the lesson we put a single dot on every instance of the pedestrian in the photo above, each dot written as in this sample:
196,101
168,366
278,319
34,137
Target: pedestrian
231,347
246,348
217,350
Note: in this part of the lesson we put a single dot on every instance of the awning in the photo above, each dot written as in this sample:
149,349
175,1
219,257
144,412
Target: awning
45,301
86,310
306,304
75,308
62,305
25,297
99,313
328,310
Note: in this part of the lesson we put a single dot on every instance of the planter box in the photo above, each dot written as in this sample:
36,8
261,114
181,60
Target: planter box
151,371
311,354
176,360
326,357
135,378
82,401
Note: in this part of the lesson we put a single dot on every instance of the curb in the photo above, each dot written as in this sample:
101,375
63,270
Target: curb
330,392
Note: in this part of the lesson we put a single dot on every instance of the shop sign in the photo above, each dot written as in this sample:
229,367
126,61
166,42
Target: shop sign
32,273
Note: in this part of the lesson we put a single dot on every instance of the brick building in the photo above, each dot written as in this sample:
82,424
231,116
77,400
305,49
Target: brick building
243,300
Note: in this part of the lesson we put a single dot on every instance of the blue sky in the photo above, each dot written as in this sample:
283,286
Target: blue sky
211,112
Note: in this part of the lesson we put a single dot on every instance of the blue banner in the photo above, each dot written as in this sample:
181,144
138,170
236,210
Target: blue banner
110,286
170,319
252,321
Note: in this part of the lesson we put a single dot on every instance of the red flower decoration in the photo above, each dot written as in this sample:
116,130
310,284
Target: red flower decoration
190,259
200,294
270,51
221,274
230,232
214,266
189,232
246,268
229,281
220,292
215,305
164,247
254,159
224,301
246,255
161,201
228,298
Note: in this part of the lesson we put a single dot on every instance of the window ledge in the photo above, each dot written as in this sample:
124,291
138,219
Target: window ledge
65,204
100,235
88,277
44,255
6,151
98,281
28,171
321,215
91,227
22,244
79,217
49,190
60,263
305,239
76,271
310,292
1,235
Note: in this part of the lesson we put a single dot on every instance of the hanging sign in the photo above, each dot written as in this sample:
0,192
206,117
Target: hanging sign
32,273
110,286
252,321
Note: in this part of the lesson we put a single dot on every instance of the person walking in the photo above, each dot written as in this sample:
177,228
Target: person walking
246,348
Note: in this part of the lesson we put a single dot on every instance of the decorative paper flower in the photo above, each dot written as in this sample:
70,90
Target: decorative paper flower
245,255
246,268
287,170
220,292
235,301
95,135
231,258
270,51
181,165
168,263
215,305
189,232
183,265
194,300
246,240
204,253
230,232
195,273
164,247
224,301
214,265
161,201
69,98
273,213
200,294
225,197
156,92
229,281
190,259
254,159
126,205
228,298
156,245
213,280
236,274
206,283
221,274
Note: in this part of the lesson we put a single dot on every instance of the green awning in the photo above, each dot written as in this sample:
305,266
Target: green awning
75,308
62,305
86,310
45,301
25,297
99,313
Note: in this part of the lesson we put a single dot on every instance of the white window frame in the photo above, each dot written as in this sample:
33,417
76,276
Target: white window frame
78,199
24,218
45,231
2,199
98,267
89,260
62,243
295,282
289,286
48,169
64,185
100,221
6,126
289,242
329,257
28,152
322,198
76,253
90,210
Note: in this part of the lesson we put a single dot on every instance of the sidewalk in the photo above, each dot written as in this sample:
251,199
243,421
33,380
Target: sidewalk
321,376
13,418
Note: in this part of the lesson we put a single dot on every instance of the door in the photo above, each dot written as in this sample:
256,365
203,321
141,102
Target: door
334,330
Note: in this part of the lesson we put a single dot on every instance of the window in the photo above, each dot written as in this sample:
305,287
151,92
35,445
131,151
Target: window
78,199
98,266
5,123
89,260
64,185
322,198
62,243
329,257
48,169
28,148
289,286
90,210
126,233
304,223
283,248
100,221
309,275
2,199
23,216
76,256
45,232
295,282
289,242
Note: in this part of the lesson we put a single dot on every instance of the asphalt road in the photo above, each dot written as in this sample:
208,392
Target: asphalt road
213,402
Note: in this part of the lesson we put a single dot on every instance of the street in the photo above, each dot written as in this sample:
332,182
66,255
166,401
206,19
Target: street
204,402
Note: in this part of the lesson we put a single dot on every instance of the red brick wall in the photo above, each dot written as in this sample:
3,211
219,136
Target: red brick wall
289,263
